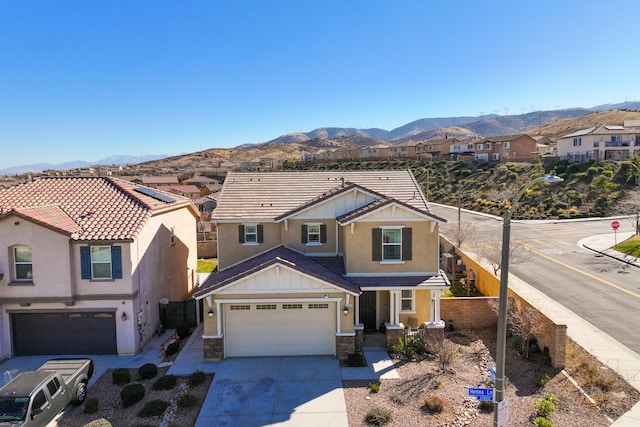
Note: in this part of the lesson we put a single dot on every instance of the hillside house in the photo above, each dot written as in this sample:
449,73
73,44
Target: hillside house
309,260
605,142
505,148
160,181
188,191
85,262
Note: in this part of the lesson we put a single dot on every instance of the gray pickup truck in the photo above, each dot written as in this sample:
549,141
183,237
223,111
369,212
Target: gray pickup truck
34,398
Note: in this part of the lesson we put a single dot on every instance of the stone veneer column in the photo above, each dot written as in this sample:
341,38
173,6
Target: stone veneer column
345,345
213,348
359,343
393,332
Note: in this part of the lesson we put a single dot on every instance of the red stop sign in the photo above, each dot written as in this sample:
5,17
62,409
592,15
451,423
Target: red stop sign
615,225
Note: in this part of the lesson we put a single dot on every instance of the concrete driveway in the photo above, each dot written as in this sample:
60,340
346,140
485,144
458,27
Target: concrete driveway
276,391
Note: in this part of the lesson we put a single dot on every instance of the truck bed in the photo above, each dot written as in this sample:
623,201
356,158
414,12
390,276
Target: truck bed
66,367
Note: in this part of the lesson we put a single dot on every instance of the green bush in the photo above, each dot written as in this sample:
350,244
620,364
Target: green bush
172,348
91,405
148,371
183,331
187,401
356,360
378,416
121,376
546,405
542,422
398,347
165,383
541,378
374,387
131,394
100,422
154,408
196,378
433,405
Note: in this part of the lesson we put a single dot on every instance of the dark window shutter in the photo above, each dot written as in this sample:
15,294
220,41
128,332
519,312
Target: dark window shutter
85,262
323,233
376,247
406,244
260,233
241,233
305,237
116,262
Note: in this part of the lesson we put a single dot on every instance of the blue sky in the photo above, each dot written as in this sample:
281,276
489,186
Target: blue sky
83,80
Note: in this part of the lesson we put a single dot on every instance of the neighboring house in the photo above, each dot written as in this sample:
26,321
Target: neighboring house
189,191
505,148
462,149
308,260
159,181
86,261
374,152
202,182
605,142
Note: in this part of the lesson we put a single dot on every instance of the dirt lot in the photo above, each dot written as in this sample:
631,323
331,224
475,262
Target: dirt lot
424,378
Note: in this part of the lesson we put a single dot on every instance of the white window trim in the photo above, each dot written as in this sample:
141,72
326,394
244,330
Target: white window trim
16,263
413,301
93,276
507,144
245,235
392,261
319,242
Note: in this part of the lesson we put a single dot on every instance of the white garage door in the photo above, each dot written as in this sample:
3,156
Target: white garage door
280,329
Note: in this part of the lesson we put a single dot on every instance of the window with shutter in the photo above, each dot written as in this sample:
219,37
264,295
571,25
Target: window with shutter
100,262
391,244
314,233
250,234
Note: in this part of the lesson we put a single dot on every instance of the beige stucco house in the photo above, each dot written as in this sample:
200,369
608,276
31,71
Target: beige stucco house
309,260
85,262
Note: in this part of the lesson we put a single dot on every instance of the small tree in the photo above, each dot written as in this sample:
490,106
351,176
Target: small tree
442,349
460,232
491,250
524,322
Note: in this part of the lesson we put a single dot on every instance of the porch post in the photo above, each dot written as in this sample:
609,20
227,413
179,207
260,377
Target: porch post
396,307
432,308
392,307
357,309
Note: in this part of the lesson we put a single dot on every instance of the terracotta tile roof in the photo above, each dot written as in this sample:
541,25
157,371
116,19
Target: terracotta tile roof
160,180
86,208
270,195
279,254
180,189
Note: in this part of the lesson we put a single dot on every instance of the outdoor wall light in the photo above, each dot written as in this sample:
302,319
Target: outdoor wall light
211,313
123,317
346,308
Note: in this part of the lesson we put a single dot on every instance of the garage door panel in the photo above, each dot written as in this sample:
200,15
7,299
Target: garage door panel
64,333
280,329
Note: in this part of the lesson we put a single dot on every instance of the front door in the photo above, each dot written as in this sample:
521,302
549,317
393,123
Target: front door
368,309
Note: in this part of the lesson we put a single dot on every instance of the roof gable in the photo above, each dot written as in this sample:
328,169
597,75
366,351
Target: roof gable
386,208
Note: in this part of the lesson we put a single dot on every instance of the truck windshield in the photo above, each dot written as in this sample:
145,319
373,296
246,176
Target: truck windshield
13,408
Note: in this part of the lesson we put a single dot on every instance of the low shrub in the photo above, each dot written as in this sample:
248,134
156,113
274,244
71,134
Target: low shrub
437,384
397,347
187,401
196,378
356,360
433,405
148,371
153,408
378,416
172,348
545,406
165,383
121,376
183,331
542,422
131,394
374,387
91,405
100,422
541,378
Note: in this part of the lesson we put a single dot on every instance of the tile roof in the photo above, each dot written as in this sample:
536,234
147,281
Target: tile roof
180,188
279,254
85,208
269,195
160,180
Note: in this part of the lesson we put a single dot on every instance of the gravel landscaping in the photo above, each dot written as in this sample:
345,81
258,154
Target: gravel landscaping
423,379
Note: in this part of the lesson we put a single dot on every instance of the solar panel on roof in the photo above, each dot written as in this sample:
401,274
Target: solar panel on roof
609,127
153,193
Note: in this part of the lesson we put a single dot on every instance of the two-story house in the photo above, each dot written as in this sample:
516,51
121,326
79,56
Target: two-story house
605,142
308,260
505,148
85,262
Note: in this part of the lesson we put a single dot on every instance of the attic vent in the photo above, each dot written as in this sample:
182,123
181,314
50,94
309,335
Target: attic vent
266,204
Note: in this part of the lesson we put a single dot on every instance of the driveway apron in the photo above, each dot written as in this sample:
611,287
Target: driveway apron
275,391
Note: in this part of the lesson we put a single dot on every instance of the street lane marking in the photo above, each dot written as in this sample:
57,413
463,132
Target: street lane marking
613,285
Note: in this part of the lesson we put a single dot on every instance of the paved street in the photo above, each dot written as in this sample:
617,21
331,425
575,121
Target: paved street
601,290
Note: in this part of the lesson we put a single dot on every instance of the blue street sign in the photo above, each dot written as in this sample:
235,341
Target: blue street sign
481,393
493,373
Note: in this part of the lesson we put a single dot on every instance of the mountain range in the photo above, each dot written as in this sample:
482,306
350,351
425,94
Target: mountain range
330,137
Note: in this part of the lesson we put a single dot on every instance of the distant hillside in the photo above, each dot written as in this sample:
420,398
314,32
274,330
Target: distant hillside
117,160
